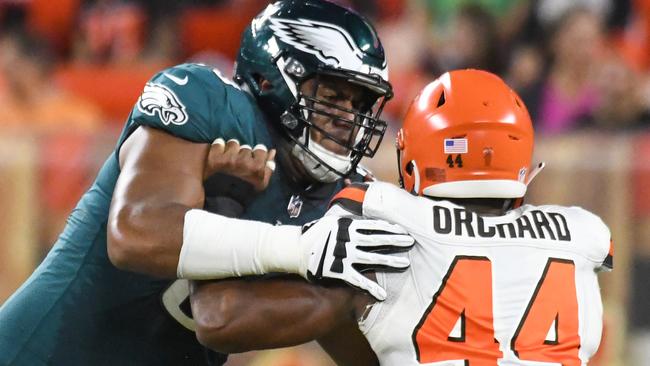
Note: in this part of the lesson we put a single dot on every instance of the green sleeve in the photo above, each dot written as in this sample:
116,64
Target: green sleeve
192,102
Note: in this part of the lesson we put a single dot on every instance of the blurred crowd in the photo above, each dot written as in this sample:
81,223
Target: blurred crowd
77,66
577,64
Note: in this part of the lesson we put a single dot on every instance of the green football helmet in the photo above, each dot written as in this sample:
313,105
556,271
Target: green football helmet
294,41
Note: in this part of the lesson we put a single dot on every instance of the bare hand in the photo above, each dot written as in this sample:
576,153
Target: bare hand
253,165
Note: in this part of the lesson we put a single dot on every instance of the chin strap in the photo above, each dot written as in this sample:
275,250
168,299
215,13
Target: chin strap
533,173
517,202
315,168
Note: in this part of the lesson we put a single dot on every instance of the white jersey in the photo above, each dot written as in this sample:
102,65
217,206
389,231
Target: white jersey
517,289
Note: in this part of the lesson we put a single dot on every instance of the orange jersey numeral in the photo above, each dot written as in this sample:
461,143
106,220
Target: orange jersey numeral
464,298
553,306
463,306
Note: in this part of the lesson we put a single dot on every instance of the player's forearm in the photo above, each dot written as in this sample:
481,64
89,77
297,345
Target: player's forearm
347,346
147,238
247,314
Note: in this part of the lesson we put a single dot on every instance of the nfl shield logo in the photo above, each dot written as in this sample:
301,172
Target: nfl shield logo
295,204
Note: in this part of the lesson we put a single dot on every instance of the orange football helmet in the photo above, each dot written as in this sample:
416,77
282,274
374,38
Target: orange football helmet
466,135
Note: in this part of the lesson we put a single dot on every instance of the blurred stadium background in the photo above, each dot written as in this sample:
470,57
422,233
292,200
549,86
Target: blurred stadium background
70,70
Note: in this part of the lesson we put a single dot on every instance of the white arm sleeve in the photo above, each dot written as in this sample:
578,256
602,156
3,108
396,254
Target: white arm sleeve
216,246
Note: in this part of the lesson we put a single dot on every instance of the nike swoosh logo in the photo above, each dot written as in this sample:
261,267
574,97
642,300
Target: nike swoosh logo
321,263
176,79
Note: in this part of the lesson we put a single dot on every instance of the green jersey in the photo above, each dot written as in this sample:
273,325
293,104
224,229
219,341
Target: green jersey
77,308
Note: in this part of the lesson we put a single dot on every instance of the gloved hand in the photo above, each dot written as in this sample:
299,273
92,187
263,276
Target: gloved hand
342,248
331,248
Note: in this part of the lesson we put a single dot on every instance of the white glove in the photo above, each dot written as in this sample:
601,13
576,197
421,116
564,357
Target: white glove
334,248
342,247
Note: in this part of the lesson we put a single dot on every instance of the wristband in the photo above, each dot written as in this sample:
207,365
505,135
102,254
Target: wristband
216,246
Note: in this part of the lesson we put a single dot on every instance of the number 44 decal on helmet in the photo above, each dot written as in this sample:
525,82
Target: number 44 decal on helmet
457,162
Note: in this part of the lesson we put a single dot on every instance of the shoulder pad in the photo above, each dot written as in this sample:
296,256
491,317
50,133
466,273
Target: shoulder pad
194,102
388,202
589,233
351,198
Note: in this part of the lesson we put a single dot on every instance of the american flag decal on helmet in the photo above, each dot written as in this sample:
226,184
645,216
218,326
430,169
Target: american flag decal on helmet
455,146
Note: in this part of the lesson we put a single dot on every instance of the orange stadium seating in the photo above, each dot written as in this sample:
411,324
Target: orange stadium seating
215,28
54,20
113,88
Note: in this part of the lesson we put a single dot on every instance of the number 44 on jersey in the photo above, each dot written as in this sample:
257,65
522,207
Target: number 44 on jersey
459,324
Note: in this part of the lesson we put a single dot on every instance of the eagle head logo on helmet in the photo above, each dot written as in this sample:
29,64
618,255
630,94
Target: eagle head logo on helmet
294,41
